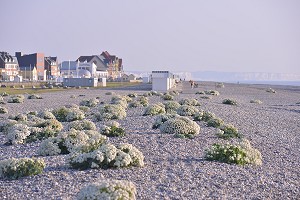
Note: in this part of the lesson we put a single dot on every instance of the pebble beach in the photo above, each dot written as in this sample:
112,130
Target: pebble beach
175,168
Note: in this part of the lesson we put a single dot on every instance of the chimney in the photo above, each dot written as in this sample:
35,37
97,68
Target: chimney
18,54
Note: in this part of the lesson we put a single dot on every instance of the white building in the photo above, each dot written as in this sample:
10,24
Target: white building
163,80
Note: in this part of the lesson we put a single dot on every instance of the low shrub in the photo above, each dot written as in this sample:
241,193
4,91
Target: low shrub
46,115
108,156
3,110
270,90
171,106
34,96
167,97
132,95
19,117
82,125
241,154
229,102
220,85
215,122
189,102
15,168
90,103
108,189
257,101
180,126
205,97
206,116
72,141
154,109
228,131
16,99
144,101
44,129
160,119
212,92
135,104
4,94
17,134
200,92
198,116
110,93
65,114
111,111
112,130
186,110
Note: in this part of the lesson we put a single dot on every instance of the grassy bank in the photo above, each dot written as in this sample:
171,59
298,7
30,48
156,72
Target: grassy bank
29,90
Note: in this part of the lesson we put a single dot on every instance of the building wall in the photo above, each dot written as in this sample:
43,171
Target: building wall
36,59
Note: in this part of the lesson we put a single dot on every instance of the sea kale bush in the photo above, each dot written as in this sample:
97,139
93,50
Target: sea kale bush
212,92
19,117
220,85
110,93
241,154
3,110
215,122
90,103
65,114
171,106
204,116
132,95
189,102
154,109
82,125
160,119
15,168
167,97
112,129
34,96
257,101
72,141
229,102
46,115
16,99
4,94
140,102
108,189
270,90
186,110
180,126
108,156
111,111
17,134
37,129
228,131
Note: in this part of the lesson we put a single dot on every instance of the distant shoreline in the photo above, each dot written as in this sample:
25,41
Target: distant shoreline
279,83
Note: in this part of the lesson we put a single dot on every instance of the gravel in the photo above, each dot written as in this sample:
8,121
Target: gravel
175,168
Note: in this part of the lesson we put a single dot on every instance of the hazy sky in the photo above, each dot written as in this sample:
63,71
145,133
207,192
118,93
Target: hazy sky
176,35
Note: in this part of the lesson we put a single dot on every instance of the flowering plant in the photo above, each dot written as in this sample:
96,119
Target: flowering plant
89,103
108,190
189,102
171,106
15,168
154,109
180,126
241,154
107,156
160,119
72,141
82,125
111,111
186,110
16,99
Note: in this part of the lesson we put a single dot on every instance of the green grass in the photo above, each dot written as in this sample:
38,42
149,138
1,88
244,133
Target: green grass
29,90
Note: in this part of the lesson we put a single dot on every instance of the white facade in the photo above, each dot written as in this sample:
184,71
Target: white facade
162,80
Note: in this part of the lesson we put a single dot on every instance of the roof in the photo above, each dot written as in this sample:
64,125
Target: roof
50,59
68,65
8,58
85,58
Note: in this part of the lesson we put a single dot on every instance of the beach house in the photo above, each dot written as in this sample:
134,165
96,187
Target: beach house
9,67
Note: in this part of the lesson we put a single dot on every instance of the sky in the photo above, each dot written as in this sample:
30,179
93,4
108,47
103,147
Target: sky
175,35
